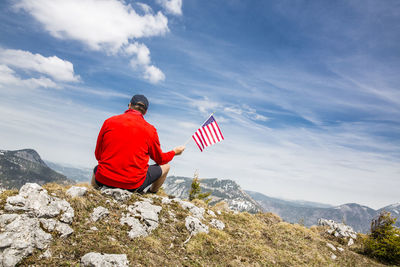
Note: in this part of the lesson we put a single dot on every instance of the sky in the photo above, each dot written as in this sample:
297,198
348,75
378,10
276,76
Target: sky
306,93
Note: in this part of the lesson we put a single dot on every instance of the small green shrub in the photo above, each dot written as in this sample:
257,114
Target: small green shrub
383,243
195,190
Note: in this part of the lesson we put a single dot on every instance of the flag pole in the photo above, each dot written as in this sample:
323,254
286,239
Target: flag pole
187,141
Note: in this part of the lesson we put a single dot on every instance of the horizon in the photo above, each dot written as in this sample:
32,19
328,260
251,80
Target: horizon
306,93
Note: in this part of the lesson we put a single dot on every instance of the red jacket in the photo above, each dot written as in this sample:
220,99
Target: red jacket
124,145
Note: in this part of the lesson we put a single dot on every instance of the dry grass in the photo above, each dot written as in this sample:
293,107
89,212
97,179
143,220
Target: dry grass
247,240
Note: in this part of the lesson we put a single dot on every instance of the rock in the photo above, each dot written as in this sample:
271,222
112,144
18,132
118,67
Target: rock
116,193
211,213
76,191
329,245
94,228
166,200
217,224
147,212
35,201
20,236
93,259
196,211
333,256
351,242
141,211
338,229
195,226
218,212
99,213
340,249
47,254
137,229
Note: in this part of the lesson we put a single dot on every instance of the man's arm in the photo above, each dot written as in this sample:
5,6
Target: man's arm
160,157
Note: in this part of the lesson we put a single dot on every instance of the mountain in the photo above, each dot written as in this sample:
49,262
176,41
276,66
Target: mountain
21,166
394,209
226,190
72,172
357,216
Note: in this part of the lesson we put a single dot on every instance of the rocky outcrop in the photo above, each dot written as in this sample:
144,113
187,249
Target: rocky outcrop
195,226
93,259
116,193
76,191
142,217
21,234
339,230
99,213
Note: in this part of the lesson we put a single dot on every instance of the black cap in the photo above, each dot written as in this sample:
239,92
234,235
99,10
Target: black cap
140,99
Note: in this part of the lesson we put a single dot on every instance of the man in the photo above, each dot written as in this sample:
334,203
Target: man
124,146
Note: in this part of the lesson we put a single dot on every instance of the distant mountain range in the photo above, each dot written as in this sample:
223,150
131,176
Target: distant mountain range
226,190
23,166
74,173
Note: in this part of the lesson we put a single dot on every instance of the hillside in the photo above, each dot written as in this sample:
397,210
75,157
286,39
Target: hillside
221,189
61,226
357,216
21,166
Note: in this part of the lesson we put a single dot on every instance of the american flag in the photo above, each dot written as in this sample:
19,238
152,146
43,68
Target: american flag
208,134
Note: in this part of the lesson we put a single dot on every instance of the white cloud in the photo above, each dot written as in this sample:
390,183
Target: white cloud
54,67
109,25
9,78
141,60
153,74
172,6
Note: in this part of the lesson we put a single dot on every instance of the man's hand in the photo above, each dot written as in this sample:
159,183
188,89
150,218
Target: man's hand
179,149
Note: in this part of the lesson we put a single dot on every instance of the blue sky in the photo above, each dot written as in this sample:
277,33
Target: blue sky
306,92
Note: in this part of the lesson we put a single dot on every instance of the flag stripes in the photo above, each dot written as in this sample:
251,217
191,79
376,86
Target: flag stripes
208,134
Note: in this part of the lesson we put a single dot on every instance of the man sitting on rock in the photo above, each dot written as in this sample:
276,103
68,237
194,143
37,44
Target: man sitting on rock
124,146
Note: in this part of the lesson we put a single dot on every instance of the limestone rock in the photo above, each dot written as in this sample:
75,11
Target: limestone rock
76,191
53,225
338,229
333,256
147,212
211,213
329,245
196,211
137,229
217,224
93,259
116,193
36,202
195,226
351,242
340,249
99,213
141,211
21,235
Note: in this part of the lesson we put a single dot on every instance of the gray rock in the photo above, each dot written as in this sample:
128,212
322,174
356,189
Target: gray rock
340,249
329,245
137,229
195,226
93,259
99,213
338,229
47,254
333,256
217,224
211,213
147,212
94,228
116,193
36,202
20,236
351,242
76,191
196,211
142,217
